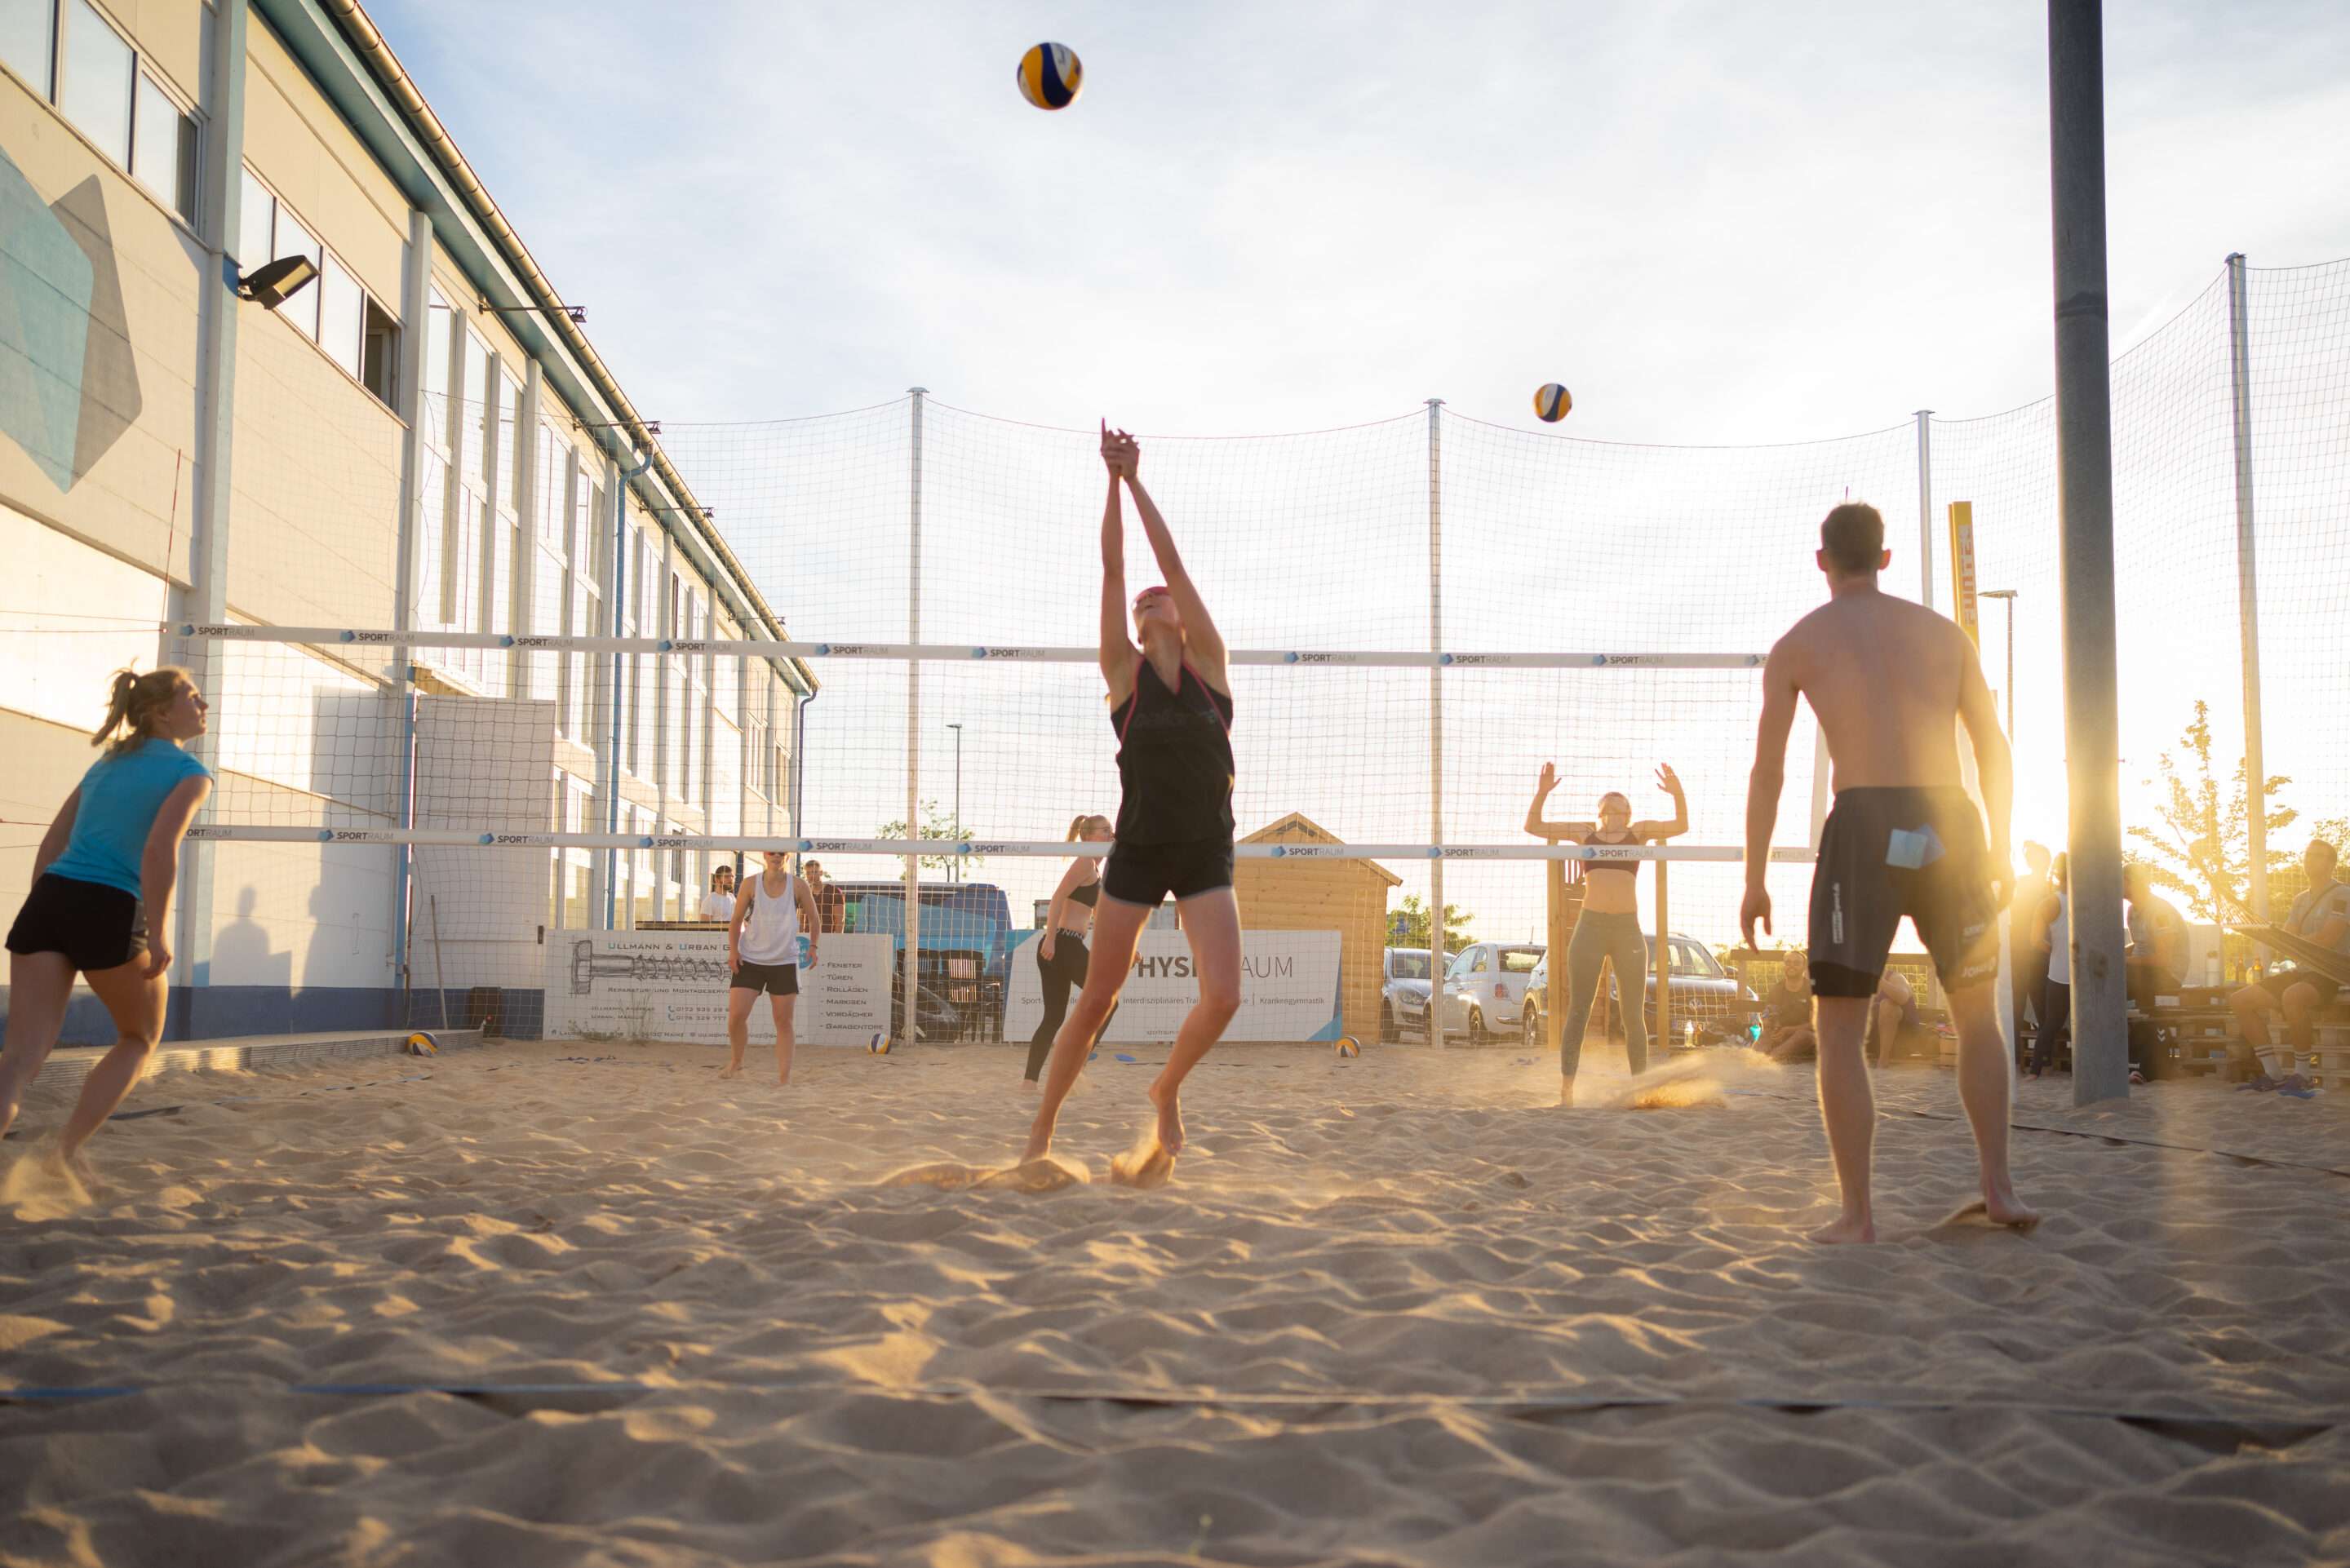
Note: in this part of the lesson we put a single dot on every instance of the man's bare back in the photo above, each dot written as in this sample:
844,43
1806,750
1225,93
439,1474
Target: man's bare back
1885,678
1891,682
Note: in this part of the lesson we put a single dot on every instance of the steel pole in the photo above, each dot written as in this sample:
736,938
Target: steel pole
1436,718
2085,497
1926,507
913,921
2247,593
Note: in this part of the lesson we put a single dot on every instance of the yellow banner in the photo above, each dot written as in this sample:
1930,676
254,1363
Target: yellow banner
1962,568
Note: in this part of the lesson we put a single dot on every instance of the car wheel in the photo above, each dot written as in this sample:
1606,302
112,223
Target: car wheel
1477,1035
1386,1023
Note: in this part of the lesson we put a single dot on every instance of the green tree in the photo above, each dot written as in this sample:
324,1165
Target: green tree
936,824
2201,849
1407,925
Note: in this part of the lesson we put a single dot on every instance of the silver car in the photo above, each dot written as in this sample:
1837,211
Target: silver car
1403,993
1485,989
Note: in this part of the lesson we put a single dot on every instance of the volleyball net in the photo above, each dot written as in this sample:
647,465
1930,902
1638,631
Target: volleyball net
572,730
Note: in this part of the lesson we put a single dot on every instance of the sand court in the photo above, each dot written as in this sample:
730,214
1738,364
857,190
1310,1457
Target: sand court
1399,1309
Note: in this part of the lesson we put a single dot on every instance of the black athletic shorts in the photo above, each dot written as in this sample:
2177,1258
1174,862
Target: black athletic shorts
774,979
1887,853
95,926
1145,873
2275,985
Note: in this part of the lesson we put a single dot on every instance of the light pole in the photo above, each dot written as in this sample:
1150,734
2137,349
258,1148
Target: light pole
958,798
2009,594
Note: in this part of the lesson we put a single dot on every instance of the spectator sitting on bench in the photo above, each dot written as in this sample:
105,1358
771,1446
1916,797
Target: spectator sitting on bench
2156,958
1787,1013
2322,915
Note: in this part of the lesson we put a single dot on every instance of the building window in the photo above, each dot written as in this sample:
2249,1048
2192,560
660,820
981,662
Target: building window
342,307
163,149
256,207
95,86
25,39
379,354
291,239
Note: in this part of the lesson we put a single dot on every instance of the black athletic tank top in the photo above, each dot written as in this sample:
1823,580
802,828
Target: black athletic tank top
1174,760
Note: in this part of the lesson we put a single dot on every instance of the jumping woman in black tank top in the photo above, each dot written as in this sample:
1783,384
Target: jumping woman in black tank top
1171,706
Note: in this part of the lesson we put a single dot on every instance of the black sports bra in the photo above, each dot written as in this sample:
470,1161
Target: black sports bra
1629,867
1088,895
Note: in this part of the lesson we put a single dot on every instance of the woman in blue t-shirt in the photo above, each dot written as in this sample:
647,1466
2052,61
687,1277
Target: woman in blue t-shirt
102,896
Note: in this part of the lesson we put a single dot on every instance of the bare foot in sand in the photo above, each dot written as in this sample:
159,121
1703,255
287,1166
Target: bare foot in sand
732,1070
1170,1120
1040,1143
1566,1090
1846,1231
2000,1209
1031,1086
785,1082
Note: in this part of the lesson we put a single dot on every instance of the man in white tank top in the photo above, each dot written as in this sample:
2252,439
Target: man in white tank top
763,945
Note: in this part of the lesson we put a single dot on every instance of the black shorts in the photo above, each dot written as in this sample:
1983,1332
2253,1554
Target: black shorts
95,926
2275,985
1145,873
774,979
1887,853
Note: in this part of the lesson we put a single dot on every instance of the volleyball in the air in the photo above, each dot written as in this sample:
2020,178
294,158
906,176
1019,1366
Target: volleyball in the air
878,1044
1050,76
1346,1047
1551,402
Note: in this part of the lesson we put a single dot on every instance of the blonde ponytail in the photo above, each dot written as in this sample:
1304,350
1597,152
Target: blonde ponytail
1077,827
133,703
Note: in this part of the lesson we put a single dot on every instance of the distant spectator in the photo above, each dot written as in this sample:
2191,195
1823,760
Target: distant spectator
2156,958
1894,1015
1787,1012
2052,946
831,903
2027,966
2322,916
718,904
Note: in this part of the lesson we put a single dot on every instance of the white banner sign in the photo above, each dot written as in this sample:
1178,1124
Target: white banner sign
1289,989
671,985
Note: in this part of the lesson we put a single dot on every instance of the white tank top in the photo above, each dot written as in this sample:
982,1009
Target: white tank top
771,931
2060,942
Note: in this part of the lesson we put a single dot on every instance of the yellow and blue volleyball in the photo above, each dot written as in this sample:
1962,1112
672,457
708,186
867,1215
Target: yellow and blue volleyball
1346,1047
1551,402
420,1043
879,1045
1050,76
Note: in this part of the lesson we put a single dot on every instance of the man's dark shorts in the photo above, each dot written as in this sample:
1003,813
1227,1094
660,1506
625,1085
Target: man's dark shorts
1887,853
2281,980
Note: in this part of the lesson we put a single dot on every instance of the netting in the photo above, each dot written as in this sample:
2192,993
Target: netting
582,717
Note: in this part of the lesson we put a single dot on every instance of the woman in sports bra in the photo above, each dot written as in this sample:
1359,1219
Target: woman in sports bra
1171,704
1061,951
1609,926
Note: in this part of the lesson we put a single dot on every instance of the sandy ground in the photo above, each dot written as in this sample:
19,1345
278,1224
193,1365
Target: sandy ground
1395,1310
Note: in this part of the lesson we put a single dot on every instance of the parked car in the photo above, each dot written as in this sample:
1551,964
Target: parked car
1485,989
1710,1006
1403,993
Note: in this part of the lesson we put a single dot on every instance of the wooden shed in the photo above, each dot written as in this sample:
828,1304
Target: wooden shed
1350,897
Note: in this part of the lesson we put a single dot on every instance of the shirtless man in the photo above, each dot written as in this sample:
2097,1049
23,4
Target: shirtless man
1889,682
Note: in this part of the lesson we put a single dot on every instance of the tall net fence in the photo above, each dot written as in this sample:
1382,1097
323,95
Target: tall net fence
1429,607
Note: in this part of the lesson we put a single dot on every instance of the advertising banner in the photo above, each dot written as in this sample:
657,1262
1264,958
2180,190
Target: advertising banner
671,985
1289,989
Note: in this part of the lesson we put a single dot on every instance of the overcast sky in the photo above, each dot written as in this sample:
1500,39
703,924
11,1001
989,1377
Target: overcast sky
1715,222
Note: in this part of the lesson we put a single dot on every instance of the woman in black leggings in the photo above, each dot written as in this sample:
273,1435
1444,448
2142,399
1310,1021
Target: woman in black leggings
1061,954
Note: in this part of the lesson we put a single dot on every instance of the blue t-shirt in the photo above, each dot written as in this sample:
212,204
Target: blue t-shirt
120,797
